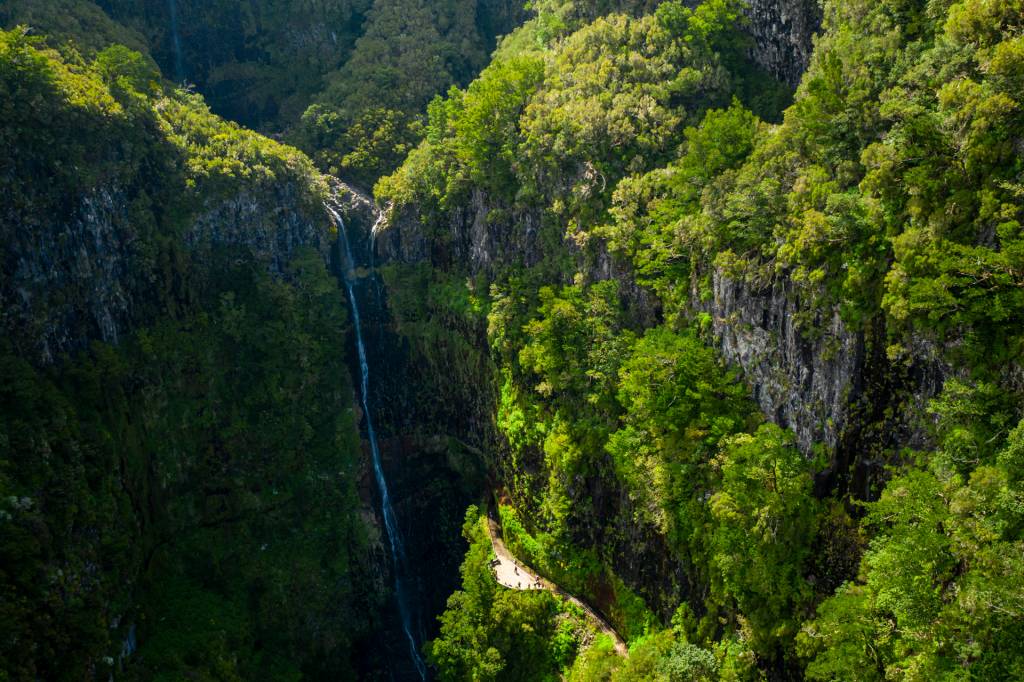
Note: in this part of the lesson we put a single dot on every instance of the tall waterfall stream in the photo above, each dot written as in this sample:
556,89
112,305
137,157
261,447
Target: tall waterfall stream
390,520
179,62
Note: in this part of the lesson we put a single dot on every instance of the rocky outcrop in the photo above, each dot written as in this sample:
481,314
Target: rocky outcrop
783,35
476,234
357,210
66,281
802,377
269,226
809,371
80,276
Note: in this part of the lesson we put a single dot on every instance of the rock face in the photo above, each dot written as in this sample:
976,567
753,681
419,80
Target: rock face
783,34
67,281
477,235
81,276
812,373
799,380
270,226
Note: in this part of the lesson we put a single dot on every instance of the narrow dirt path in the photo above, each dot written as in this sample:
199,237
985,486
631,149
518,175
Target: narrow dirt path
512,573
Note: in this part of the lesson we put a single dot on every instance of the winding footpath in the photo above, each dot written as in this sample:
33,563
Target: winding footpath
511,573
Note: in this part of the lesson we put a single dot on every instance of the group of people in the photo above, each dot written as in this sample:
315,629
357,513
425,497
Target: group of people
534,584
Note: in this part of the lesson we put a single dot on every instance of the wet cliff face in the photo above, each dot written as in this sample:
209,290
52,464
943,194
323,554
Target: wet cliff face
430,425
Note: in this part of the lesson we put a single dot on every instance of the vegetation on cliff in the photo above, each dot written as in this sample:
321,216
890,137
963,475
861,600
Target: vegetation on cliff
889,194
180,500
181,504
347,81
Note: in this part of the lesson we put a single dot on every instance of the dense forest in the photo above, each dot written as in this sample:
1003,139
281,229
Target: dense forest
713,311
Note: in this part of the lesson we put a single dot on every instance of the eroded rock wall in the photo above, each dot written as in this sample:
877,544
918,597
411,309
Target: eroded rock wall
802,376
81,275
783,32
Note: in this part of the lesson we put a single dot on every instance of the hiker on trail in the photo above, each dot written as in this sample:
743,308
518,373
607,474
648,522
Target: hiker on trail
516,569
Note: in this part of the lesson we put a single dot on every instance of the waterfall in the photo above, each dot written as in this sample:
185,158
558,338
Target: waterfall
390,520
179,62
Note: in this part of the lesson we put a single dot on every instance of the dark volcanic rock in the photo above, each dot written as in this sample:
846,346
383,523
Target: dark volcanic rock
82,275
783,35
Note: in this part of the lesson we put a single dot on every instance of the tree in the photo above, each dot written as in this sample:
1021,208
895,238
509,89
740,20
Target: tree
765,521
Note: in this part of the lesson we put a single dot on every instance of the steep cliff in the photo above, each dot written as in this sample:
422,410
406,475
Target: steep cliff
714,337
89,275
783,35
179,453
122,190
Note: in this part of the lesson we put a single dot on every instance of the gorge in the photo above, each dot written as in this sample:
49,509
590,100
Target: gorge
403,596
706,314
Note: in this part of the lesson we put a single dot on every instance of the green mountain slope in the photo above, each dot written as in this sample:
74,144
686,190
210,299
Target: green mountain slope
858,263
738,366
178,446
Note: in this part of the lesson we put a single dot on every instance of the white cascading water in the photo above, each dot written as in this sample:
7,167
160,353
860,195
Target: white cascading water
179,62
390,520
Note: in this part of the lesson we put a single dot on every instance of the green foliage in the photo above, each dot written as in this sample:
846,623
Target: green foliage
69,126
472,135
889,193
528,133
617,107
581,572
212,508
126,69
346,80
666,658
258,62
937,595
954,183
679,411
595,663
575,341
662,657
109,122
765,521
657,216
678,405
222,155
62,518
205,466
489,632
369,115
71,25
440,319
483,121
